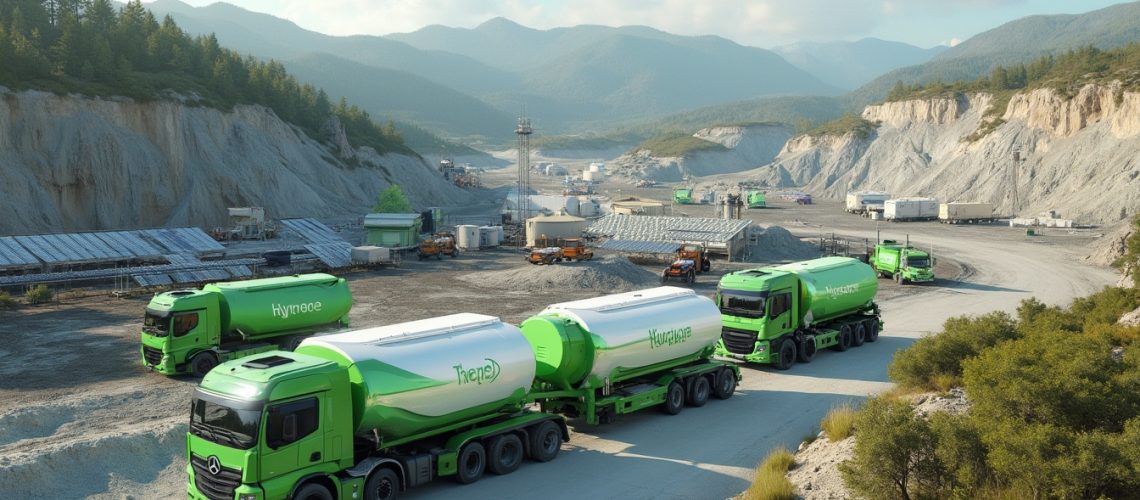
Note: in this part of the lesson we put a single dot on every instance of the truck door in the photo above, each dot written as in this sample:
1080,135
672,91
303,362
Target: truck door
292,438
780,313
187,331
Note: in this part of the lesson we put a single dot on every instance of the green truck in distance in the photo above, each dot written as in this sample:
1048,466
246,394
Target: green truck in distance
902,263
757,199
683,196
778,315
191,331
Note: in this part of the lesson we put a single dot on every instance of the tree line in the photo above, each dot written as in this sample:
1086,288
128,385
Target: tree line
92,48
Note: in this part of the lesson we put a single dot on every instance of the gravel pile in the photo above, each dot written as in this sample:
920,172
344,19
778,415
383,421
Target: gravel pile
816,471
775,243
609,273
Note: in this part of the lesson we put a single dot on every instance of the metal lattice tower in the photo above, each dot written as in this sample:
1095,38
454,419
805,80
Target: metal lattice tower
522,195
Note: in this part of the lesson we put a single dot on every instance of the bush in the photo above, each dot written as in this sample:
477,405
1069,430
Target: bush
894,452
839,423
935,362
771,482
6,299
38,294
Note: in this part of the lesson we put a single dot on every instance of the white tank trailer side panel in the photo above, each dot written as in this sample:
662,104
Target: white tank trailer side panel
473,360
644,327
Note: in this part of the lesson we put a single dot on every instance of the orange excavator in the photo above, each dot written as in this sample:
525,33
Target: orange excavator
568,249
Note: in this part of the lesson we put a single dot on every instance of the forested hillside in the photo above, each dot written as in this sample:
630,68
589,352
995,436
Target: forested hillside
92,48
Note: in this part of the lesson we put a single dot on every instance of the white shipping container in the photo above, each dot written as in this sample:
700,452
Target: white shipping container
910,209
863,200
948,212
370,255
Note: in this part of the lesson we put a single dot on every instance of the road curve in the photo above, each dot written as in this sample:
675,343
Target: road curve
710,452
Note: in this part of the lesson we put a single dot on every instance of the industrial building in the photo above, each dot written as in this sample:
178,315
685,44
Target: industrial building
392,230
638,206
552,227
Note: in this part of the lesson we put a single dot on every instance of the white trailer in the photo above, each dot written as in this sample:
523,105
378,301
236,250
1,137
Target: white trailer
864,202
909,209
965,213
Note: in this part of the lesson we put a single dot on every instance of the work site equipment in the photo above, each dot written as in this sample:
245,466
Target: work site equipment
778,315
437,246
757,199
191,331
901,262
681,269
696,253
966,213
866,202
683,196
560,249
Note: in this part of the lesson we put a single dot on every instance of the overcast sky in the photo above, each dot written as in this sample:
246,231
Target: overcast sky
761,23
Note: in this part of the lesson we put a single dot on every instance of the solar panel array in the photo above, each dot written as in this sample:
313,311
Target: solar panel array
151,272
667,229
110,246
14,255
333,255
184,239
312,231
639,246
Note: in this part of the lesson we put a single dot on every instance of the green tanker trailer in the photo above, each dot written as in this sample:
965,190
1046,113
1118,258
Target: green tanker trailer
370,413
606,356
191,331
778,315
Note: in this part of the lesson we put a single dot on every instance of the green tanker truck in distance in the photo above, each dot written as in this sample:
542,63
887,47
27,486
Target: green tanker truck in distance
191,331
367,414
757,199
778,315
902,263
683,196
607,356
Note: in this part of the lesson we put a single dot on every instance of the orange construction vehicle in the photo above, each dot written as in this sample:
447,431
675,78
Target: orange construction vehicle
551,251
437,246
576,249
697,254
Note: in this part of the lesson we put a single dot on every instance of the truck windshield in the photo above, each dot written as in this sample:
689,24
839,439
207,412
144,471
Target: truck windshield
918,261
743,303
224,424
156,323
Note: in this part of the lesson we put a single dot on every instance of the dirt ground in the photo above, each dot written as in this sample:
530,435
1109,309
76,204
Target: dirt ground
81,417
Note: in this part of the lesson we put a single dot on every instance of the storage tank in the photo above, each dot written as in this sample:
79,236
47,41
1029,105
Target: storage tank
832,286
488,236
269,306
412,377
583,343
588,207
572,205
597,167
467,237
552,227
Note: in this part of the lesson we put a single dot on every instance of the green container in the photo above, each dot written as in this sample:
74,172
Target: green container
266,307
832,287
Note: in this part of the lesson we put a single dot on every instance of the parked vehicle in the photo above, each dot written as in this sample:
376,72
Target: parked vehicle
865,202
910,209
695,253
778,315
191,331
757,199
681,269
966,213
437,246
902,263
683,196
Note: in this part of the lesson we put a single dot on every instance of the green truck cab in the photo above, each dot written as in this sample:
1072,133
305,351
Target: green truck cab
757,199
191,331
683,196
778,315
902,263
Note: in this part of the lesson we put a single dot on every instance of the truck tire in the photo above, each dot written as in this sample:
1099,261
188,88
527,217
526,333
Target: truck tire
202,363
545,441
706,265
471,463
382,484
725,384
699,392
506,454
691,277
674,399
313,491
858,335
807,350
844,339
787,355
899,278
872,329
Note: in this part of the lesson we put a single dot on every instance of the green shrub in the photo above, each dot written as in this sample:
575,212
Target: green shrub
894,452
38,294
771,482
839,423
937,359
6,299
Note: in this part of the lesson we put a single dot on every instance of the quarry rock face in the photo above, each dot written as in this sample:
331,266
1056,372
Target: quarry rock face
747,147
77,163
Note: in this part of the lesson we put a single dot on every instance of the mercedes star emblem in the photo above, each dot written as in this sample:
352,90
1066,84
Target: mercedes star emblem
213,465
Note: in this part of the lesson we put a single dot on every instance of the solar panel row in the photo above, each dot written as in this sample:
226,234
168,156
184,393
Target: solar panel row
312,231
75,248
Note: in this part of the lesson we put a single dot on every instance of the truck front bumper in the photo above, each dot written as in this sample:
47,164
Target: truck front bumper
760,353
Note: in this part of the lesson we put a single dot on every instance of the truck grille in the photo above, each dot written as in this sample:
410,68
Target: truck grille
218,486
738,341
153,356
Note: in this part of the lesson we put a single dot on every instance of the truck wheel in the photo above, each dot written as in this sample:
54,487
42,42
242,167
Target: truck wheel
472,462
674,399
872,329
506,454
665,277
699,392
691,277
787,355
313,491
899,278
545,441
202,363
725,384
844,338
706,265
858,335
807,350
383,484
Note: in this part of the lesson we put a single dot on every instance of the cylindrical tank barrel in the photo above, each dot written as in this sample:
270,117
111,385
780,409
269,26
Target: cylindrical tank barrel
833,287
585,342
410,378
264,307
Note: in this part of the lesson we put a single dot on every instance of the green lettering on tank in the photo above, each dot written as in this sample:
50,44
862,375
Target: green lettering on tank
662,338
485,373
283,311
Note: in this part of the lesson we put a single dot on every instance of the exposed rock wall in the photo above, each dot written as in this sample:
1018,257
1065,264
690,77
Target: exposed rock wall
748,146
75,163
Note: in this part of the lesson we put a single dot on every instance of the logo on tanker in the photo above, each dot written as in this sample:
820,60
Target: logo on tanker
839,291
663,338
283,311
486,372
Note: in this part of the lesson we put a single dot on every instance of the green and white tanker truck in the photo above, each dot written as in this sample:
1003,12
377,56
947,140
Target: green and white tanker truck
902,263
778,315
370,413
191,331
